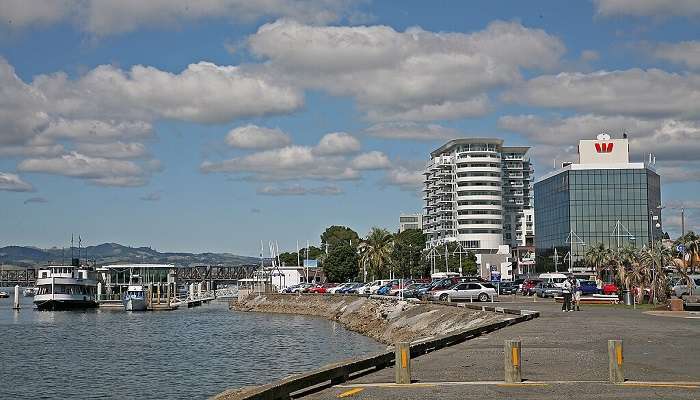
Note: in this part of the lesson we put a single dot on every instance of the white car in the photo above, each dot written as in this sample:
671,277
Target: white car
342,286
681,287
374,286
467,291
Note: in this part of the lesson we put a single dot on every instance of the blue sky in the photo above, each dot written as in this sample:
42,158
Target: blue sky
208,126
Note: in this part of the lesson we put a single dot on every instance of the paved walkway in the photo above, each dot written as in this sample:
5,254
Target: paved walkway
557,349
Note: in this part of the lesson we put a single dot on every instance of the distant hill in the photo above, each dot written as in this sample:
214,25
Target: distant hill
111,253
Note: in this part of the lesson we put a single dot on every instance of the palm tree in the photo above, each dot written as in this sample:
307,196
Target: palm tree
598,256
639,276
623,258
376,251
655,259
691,242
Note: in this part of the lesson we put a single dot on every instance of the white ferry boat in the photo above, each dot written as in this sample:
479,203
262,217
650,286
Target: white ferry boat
135,298
65,287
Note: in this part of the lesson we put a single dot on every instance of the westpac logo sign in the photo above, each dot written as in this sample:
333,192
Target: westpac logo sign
604,147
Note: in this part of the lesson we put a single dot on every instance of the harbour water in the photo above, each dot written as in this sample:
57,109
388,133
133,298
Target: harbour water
183,354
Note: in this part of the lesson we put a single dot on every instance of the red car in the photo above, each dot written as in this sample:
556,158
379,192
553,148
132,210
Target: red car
321,288
610,288
529,286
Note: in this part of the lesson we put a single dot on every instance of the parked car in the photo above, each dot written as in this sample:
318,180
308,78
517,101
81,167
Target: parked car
355,288
682,288
349,287
466,291
556,279
544,289
529,287
339,287
610,288
411,291
322,288
471,278
375,285
588,287
506,287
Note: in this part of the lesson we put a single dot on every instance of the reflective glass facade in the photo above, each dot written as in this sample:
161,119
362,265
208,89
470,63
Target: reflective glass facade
589,203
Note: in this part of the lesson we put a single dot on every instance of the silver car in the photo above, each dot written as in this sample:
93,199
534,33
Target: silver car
467,291
681,287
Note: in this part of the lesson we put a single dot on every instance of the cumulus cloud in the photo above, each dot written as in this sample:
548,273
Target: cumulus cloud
411,75
106,17
98,170
288,163
411,130
257,137
404,178
636,92
370,161
648,8
13,183
298,190
669,139
34,200
106,113
336,143
682,53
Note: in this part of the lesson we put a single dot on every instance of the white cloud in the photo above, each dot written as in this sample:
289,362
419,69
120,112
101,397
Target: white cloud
288,163
298,190
645,93
337,143
590,55
669,139
682,53
411,75
648,8
102,17
257,137
370,161
411,130
13,183
113,150
95,130
679,173
404,178
98,170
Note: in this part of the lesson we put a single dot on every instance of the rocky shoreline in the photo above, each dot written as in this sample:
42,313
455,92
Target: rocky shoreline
386,320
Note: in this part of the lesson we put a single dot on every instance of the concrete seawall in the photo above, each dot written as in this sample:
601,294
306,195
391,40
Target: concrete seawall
385,320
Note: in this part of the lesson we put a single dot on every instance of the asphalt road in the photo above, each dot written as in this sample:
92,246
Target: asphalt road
560,350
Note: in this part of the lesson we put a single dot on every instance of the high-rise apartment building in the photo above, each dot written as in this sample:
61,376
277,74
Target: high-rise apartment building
478,192
410,221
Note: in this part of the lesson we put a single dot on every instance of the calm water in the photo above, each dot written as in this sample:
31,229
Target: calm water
187,353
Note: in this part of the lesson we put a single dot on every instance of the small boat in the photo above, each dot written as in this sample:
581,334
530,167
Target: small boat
4,295
29,292
135,298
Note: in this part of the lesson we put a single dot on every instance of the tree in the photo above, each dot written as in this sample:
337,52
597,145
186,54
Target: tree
336,235
288,258
654,259
341,264
598,256
375,252
691,242
406,253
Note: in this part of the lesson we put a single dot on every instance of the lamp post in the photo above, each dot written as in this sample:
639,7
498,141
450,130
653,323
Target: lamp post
653,260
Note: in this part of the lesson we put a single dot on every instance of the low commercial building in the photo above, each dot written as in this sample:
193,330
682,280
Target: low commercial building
410,221
604,198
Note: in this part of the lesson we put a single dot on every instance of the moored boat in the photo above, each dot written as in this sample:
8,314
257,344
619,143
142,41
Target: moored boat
29,292
65,287
4,295
135,298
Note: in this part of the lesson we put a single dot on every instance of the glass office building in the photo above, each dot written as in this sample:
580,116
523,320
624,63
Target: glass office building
582,205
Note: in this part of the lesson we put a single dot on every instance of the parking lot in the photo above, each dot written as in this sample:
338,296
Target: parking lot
565,354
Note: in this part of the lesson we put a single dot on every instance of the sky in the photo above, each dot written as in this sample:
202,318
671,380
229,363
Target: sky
211,125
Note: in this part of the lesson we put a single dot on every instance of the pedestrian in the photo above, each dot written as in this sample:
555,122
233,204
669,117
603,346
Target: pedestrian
577,294
566,292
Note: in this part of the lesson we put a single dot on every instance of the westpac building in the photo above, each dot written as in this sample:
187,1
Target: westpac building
604,198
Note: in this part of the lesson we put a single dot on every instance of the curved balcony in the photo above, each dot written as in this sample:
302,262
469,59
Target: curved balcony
480,207
479,197
479,179
478,169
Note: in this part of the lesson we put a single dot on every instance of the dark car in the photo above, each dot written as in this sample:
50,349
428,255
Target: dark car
440,284
506,287
588,287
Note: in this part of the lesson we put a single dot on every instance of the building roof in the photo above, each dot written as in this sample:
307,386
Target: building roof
456,142
579,167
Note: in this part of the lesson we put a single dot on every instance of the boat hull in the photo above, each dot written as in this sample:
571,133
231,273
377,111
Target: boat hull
135,304
64,305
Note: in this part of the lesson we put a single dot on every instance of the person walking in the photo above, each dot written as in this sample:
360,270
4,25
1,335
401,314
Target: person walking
577,294
566,292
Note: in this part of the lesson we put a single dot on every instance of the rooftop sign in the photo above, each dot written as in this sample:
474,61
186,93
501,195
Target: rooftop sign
603,150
